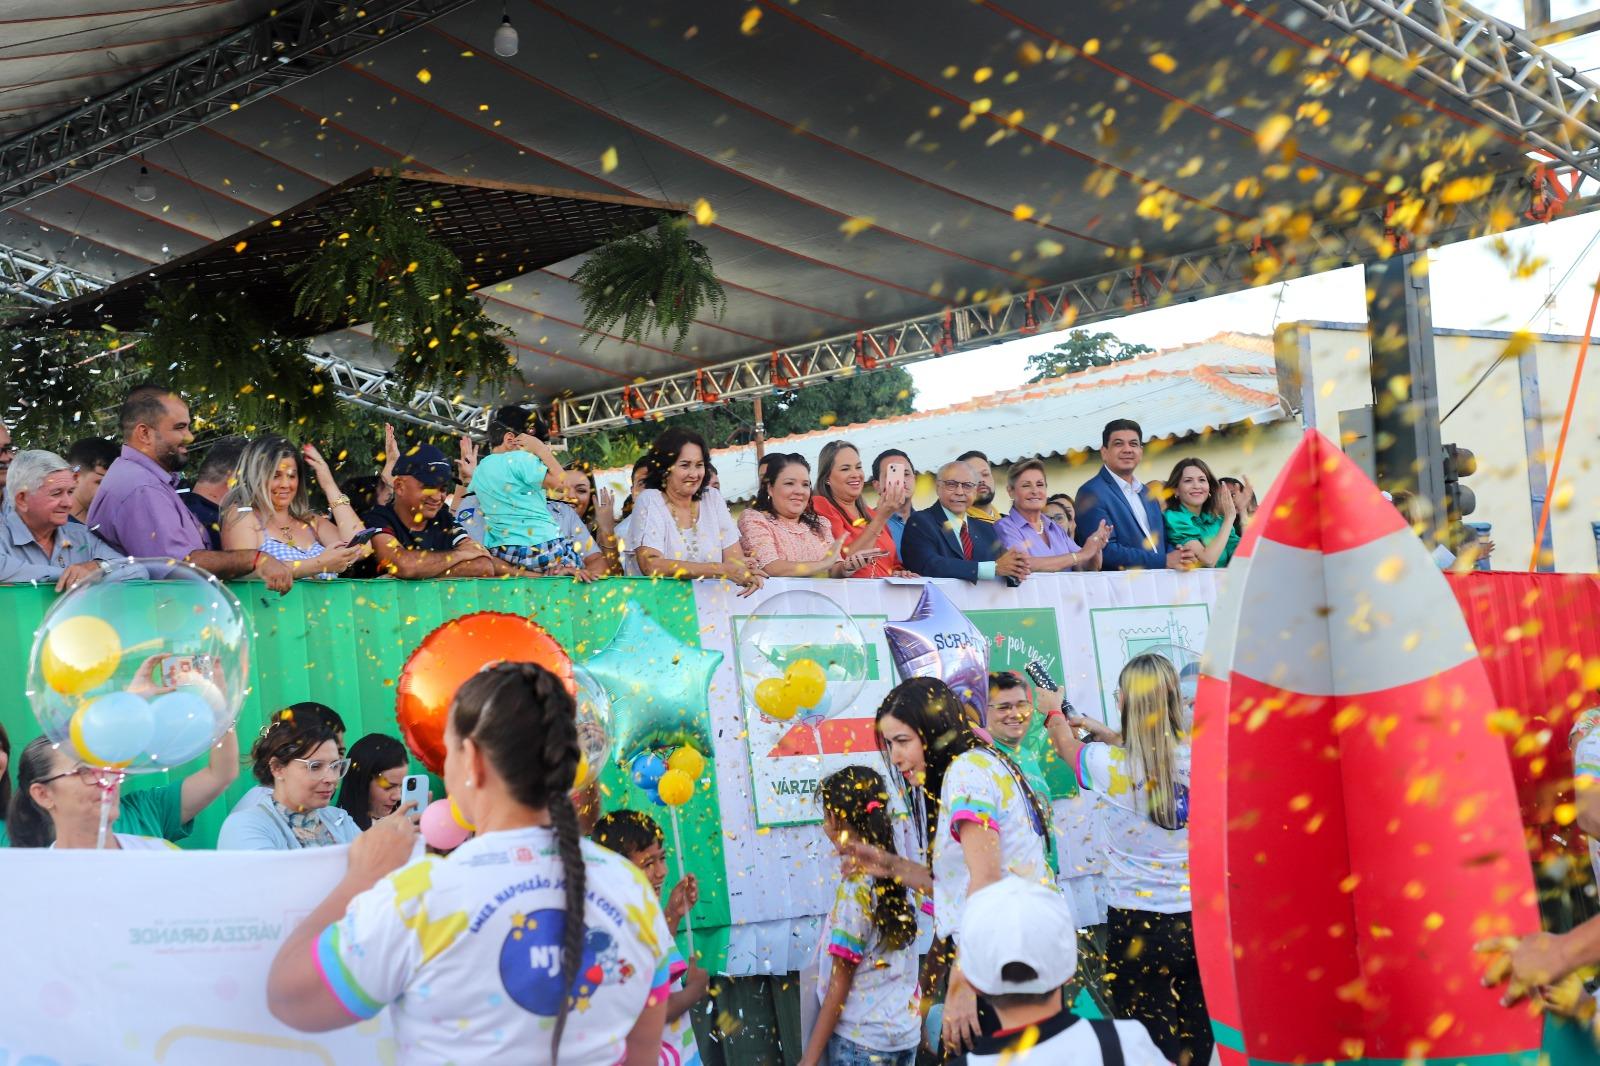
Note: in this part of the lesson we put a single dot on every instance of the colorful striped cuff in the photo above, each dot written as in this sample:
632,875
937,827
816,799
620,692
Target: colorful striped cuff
338,979
849,948
927,907
1082,771
661,984
971,812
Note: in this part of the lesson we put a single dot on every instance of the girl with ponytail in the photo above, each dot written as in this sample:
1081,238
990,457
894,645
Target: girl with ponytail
1142,821
534,944
870,1003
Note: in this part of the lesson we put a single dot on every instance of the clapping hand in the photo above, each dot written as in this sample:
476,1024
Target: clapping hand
318,465
467,465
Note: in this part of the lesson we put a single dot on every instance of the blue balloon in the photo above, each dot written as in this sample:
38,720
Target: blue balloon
646,770
933,1025
818,712
185,726
112,730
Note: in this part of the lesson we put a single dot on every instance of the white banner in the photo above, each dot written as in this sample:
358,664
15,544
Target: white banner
780,867
161,957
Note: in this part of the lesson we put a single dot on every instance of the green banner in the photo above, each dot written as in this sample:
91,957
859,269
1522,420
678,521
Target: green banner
343,643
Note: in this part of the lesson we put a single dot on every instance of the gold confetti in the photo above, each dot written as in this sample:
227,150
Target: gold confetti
752,19
852,226
608,160
1022,212
703,214
424,75
1273,131
1164,63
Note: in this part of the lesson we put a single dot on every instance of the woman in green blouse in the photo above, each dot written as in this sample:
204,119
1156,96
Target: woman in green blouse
1199,516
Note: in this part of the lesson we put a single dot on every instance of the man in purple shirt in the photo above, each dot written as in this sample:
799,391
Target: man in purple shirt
138,511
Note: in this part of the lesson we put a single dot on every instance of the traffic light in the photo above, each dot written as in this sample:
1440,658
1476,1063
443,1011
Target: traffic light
1459,500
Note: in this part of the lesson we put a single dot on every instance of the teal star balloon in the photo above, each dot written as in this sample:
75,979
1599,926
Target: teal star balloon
659,687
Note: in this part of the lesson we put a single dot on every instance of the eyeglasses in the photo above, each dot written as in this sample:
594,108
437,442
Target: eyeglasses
8,449
89,775
1011,712
318,767
959,486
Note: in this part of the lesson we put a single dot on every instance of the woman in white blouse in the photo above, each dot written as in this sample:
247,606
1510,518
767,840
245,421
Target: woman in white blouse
681,527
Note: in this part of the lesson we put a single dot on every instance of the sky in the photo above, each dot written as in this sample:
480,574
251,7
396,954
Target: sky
1472,286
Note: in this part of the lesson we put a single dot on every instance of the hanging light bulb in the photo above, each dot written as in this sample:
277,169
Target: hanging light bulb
505,37
144,190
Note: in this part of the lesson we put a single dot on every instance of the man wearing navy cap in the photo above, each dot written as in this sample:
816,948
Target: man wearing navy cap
420,537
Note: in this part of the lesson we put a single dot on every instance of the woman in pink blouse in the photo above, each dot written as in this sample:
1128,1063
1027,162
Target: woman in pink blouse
781,531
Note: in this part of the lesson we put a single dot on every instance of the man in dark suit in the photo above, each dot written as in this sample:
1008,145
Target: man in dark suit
941,542
1138,534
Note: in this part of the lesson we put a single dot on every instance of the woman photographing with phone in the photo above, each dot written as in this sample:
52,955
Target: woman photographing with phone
840,479
269,510
538,946
371,788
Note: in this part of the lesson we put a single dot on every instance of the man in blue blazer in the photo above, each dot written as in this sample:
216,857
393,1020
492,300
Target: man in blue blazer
1138,534
940,541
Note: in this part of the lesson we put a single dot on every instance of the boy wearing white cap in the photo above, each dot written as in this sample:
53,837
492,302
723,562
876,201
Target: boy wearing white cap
1018,947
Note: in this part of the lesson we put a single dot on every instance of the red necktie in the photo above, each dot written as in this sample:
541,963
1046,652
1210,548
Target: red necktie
966,541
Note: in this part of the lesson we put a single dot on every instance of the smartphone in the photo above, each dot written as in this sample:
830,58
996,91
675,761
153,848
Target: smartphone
415,790
186,670
362,537
897,475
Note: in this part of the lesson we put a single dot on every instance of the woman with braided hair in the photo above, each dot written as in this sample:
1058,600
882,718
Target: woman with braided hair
526,944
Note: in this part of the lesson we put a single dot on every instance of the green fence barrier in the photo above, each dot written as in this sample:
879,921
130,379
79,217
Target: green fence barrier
343,643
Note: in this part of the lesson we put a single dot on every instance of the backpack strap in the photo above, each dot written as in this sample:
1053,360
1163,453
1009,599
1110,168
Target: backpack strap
1105,1031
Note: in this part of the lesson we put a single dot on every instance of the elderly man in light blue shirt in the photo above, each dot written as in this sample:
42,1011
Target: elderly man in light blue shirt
36,543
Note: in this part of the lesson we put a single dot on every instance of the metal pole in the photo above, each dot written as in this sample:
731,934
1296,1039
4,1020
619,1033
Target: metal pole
761,433
1407,450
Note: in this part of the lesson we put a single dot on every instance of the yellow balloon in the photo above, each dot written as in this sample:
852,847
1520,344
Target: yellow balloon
776,699
807,680
689,761
79,653
675,788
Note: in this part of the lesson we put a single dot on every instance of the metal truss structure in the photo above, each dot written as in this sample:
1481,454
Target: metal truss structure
298,40
32,279
40,281
1182,278
1494,68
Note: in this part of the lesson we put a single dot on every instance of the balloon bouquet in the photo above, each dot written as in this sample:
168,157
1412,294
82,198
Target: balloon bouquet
657,687
454,652
939,641
139,677
801,656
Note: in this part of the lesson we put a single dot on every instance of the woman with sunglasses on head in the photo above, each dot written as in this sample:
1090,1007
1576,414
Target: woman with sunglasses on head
298,758
371,790
539,946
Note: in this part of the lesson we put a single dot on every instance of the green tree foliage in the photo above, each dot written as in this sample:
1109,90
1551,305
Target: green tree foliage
1082,350
655,281
839,403
57,387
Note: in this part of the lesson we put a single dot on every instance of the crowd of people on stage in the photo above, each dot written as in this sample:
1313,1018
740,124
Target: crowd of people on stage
269,509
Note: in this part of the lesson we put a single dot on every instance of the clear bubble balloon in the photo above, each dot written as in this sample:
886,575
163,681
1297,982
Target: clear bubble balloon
594,726
800,656
140,675
1187,663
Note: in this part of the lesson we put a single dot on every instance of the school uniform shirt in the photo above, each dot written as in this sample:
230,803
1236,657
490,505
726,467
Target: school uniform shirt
883,1011
678,1046
980,788
1063,1040
1585,741
1147,867
466,953
510,491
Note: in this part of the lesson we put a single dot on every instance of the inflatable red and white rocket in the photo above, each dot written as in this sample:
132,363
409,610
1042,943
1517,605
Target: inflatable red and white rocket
1355,828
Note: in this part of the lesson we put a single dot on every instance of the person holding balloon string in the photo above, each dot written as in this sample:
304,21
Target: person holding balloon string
977,818
61,788
636,836
536,939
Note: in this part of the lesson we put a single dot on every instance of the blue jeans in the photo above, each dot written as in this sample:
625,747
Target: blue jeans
843,1052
